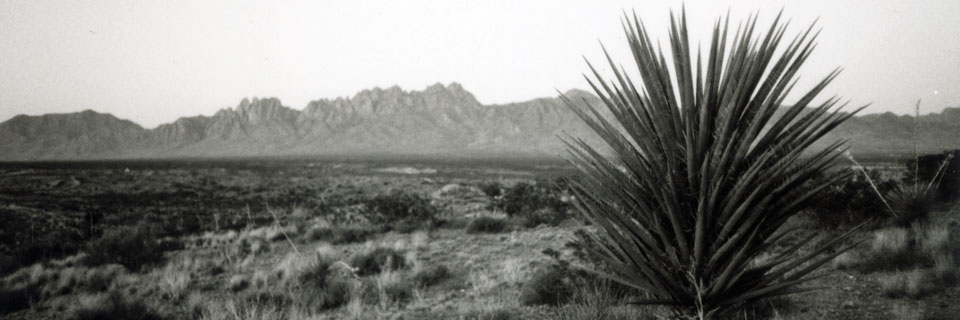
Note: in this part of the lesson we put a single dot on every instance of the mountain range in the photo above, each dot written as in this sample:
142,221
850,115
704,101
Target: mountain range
442,120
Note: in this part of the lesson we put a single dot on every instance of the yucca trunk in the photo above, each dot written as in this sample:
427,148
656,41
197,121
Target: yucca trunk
701,165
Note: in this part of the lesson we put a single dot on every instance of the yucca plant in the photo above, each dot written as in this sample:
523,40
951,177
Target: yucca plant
701,164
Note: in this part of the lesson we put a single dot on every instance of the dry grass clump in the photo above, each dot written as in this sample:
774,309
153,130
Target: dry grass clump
911,284
891,241
43,282
902,249
933,239
174,282
600,302
299,287
116,306
902,311
232,310
388,289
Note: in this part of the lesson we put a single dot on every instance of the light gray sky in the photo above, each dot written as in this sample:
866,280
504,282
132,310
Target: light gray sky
155,61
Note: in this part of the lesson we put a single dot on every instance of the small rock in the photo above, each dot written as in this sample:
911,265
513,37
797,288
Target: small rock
847,288
848,304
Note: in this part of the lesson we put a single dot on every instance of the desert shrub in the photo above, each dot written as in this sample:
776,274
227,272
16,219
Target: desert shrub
849,202
524,198
550,286
486,225
535,203
402,207
492,189
116,307
134,247
700,167
431,276
376,260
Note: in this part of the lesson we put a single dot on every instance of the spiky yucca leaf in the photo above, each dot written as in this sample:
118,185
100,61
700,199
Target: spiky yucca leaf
706,165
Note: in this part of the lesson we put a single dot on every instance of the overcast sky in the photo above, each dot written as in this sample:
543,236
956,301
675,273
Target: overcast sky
155,61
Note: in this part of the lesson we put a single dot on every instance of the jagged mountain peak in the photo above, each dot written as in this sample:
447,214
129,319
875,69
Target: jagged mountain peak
439,119
577,94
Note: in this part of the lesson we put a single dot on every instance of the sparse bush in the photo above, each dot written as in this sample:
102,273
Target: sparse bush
486,225
377,260
133,247
431,276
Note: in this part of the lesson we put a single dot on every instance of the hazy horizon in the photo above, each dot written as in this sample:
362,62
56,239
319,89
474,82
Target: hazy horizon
153,62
